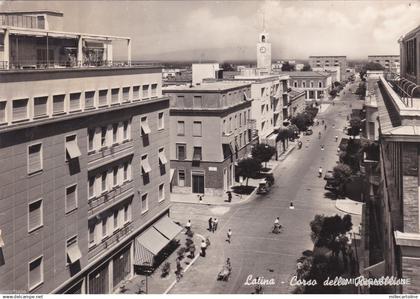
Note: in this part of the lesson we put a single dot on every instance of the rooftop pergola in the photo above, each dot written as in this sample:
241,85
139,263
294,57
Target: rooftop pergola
79,37
406,89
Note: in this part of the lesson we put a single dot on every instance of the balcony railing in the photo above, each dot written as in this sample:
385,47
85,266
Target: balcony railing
60,64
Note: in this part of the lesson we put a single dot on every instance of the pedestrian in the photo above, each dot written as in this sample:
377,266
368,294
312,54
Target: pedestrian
229,194
229,236
319,135
200,198
203,248
336,138
188,226
215,223
210,224
322,147
178,265
322,121
229,265
276,228
325,127
320,171
192,251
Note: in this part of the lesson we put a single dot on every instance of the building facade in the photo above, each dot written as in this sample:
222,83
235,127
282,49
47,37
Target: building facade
391,63
316,85
330,61
84,170
209,133
410,53
264,53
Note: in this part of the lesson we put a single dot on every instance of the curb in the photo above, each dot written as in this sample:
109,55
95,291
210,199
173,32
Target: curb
284,156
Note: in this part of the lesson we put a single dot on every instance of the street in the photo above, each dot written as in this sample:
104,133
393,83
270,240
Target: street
254,250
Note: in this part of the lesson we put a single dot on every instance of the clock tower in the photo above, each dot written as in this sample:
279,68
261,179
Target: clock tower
264,52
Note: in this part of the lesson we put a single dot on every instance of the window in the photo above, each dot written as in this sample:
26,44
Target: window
3,118
154,90
71,198
127,171
114,133
411,56
35,215
197,102
136,93
104,227
181,178
115,176
180,101
144,203
20,109
180,128
145,129
303,84
74,101
91,234
103,181
58,103
116,220
40,106
72,149
103,136
311,84
161,120
126,130
73,251
240,119
91,188
91,138
127,213
197,156
181,151
145,166
197,128
161,194
320,84
145,91
36,273
89,99
126,94
262,91
103,97
34,158
295,84
115,95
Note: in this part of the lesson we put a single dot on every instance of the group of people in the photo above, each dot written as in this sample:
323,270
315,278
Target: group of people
277,226
213,224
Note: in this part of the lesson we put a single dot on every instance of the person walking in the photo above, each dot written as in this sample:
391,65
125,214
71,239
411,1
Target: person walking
210,224
188,226
203,248
229,236
215,223
336,138
325,127
229,194
276,228
322,147
320,171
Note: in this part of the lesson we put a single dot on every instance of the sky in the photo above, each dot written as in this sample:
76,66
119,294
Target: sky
226,30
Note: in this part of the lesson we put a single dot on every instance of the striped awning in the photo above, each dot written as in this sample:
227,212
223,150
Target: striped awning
167,227
142,256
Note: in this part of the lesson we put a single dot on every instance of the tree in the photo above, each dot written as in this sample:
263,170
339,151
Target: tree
282,135
342,175
263,152
287,67
351,154
373,66
355,126
337,84
306,68
361,90
249,168
227,67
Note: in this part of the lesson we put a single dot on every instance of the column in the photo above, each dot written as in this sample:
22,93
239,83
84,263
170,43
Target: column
6,53
80,52
129,51
108,50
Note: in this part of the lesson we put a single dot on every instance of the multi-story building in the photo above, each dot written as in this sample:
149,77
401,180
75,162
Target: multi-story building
410,53
264,53
270,101
209,133
393,117
316,85
84,180
391,63
296,102
201,71
330,61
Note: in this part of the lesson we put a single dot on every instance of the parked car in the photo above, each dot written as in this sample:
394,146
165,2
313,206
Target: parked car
308,132
329,175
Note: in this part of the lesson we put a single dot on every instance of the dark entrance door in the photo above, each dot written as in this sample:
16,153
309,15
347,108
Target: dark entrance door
198,183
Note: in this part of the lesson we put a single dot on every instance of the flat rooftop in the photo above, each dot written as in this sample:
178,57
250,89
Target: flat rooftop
211,86
327,56
32,12
305,74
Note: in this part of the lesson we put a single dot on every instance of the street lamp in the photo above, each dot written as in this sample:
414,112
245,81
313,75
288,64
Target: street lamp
146,266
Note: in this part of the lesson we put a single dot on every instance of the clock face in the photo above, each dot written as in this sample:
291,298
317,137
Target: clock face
262,49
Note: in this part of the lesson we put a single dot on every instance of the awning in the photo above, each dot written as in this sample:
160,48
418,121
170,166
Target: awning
162,157
1,240
197,155
73,253
153,240
376,270
171,175
73,149
227,150
145,165
145,127
142,256
167,227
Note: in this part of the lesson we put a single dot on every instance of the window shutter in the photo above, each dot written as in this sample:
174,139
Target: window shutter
58,103
35,272
20,109
40,106
2,112
35,214
145,91
89,99
126,94
74,101
71,198
103,97
136,93
115,92
34,158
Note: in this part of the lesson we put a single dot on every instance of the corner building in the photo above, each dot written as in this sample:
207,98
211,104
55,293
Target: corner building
84,173
209,133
